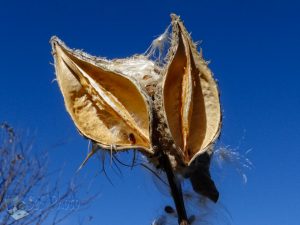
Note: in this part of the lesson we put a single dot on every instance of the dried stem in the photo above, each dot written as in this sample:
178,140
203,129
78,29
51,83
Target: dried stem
175,187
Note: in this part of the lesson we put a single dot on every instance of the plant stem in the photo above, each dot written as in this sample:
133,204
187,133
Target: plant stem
175,187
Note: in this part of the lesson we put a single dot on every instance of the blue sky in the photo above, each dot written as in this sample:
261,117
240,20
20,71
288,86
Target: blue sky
254,49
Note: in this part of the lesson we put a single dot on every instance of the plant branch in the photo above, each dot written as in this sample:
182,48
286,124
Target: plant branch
175,187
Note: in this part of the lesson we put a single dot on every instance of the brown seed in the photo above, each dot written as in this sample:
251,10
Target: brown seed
131,138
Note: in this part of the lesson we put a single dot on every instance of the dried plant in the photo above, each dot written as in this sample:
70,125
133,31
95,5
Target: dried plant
168,109
29,193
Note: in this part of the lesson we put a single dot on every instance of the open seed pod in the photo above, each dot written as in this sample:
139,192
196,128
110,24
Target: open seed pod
190,97
106,106
137,103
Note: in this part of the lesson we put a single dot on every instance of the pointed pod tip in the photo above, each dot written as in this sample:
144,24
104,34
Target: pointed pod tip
54,41
177,23
57,44
174,17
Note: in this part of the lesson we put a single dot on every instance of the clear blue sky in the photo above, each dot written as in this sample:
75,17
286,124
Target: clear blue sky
254,49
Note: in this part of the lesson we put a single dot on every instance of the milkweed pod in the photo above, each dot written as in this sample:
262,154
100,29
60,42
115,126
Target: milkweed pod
171,106
107,107
190,97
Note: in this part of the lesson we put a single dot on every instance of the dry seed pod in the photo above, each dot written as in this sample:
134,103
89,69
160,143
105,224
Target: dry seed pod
138,103
106,107
190,97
